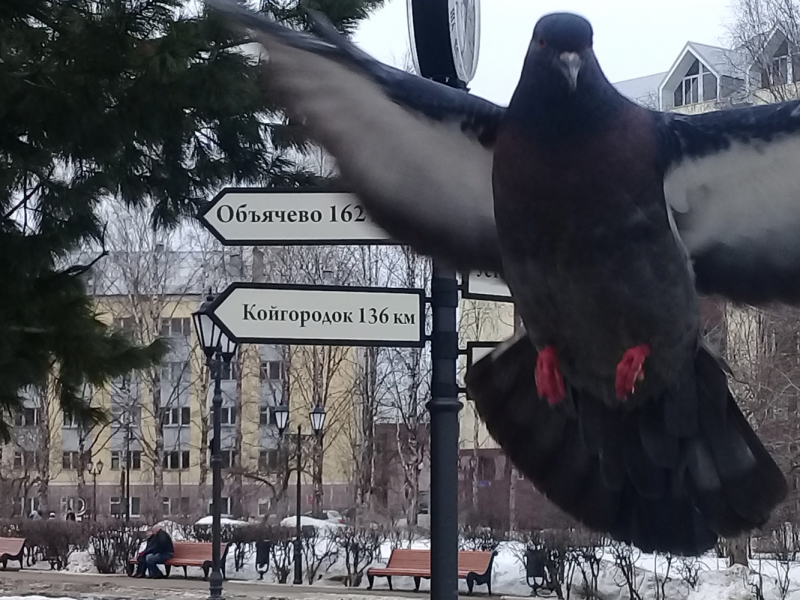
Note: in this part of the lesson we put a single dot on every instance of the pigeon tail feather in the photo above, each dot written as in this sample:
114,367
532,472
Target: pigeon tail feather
623,471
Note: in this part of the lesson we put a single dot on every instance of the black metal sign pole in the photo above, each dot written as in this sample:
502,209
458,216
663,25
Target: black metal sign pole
430,28
444,407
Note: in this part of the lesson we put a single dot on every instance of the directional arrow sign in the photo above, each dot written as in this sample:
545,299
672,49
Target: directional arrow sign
264,217
264,313
485,285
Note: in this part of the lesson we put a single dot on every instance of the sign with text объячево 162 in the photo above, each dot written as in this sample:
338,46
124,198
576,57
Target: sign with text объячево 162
323,315
262,217
485,285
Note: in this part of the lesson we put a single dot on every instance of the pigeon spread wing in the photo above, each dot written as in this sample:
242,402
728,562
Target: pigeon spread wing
733,184
417,153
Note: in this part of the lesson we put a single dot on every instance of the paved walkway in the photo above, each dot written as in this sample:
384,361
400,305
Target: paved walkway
120,587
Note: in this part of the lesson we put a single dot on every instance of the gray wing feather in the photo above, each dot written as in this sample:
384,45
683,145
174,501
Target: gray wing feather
417,153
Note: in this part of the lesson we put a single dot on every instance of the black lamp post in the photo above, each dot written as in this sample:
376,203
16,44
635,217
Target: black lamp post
317,418
219,350
94,470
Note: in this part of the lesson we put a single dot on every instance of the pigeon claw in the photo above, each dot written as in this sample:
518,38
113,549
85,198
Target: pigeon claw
631,369
549,382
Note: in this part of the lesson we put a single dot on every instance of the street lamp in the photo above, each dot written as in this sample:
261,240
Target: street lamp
317,418
219,349
94,470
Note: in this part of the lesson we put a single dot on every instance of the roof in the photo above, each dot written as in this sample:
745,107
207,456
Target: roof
723,61
641,89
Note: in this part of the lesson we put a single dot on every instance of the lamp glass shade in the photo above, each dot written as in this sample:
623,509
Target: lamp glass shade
208,334
317,419
281,413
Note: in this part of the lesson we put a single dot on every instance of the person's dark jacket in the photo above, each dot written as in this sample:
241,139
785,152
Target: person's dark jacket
162,543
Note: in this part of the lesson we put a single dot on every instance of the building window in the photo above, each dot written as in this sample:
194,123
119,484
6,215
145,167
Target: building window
118,456
23,506
225,509
227,415
782,68
184,505
267,460
228,371
228,458
175,417
272,370
70,422
176,460
266,415
118,506
175,328
27,417
166,506
25,459
698,84
263,508
486,468
71,461
126,325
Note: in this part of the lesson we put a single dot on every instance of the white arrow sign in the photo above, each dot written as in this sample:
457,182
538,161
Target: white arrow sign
259,313
485,285
262,217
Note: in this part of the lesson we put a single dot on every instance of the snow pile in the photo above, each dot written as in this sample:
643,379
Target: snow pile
310,522
80,561
223,521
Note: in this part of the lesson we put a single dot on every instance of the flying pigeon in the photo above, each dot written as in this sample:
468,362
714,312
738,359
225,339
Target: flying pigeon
607,220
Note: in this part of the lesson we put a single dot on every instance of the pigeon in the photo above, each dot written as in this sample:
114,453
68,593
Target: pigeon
608,221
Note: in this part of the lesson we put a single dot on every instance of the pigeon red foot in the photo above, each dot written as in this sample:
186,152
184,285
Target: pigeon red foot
630,369
549,382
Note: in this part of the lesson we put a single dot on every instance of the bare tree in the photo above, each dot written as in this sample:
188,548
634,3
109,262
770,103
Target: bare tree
765,34
147,277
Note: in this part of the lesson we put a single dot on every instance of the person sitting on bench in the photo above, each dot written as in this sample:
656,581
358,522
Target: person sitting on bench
159,549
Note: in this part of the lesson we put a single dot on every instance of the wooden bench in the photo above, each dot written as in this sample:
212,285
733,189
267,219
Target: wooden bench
11,549
475,567
189,554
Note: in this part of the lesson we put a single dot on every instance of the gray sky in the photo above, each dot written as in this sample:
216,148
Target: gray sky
631,39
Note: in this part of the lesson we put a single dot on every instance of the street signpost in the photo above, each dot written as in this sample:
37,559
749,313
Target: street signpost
484,285
258,217
264,313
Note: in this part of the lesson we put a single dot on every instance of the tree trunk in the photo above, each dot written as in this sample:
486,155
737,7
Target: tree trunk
737,550
512,496
158,467
316,507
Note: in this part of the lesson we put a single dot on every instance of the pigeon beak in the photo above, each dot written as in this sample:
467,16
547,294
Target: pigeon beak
570,63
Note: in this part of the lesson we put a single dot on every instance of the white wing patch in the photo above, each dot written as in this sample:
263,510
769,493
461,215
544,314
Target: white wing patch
746,194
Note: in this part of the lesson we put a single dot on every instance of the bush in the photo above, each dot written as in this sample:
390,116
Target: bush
113,544
362,546
54,540
479,538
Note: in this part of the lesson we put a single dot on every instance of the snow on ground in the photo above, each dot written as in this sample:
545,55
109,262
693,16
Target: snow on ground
715,580
34,597
310,522
223,521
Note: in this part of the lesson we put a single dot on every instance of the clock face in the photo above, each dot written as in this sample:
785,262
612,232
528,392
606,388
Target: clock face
465,33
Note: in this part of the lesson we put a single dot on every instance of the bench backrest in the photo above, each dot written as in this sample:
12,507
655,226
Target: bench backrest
11,546
194,550
404,558
475,561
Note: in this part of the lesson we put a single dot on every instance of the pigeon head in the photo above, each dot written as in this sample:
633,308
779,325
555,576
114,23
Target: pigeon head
562,88
562,43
